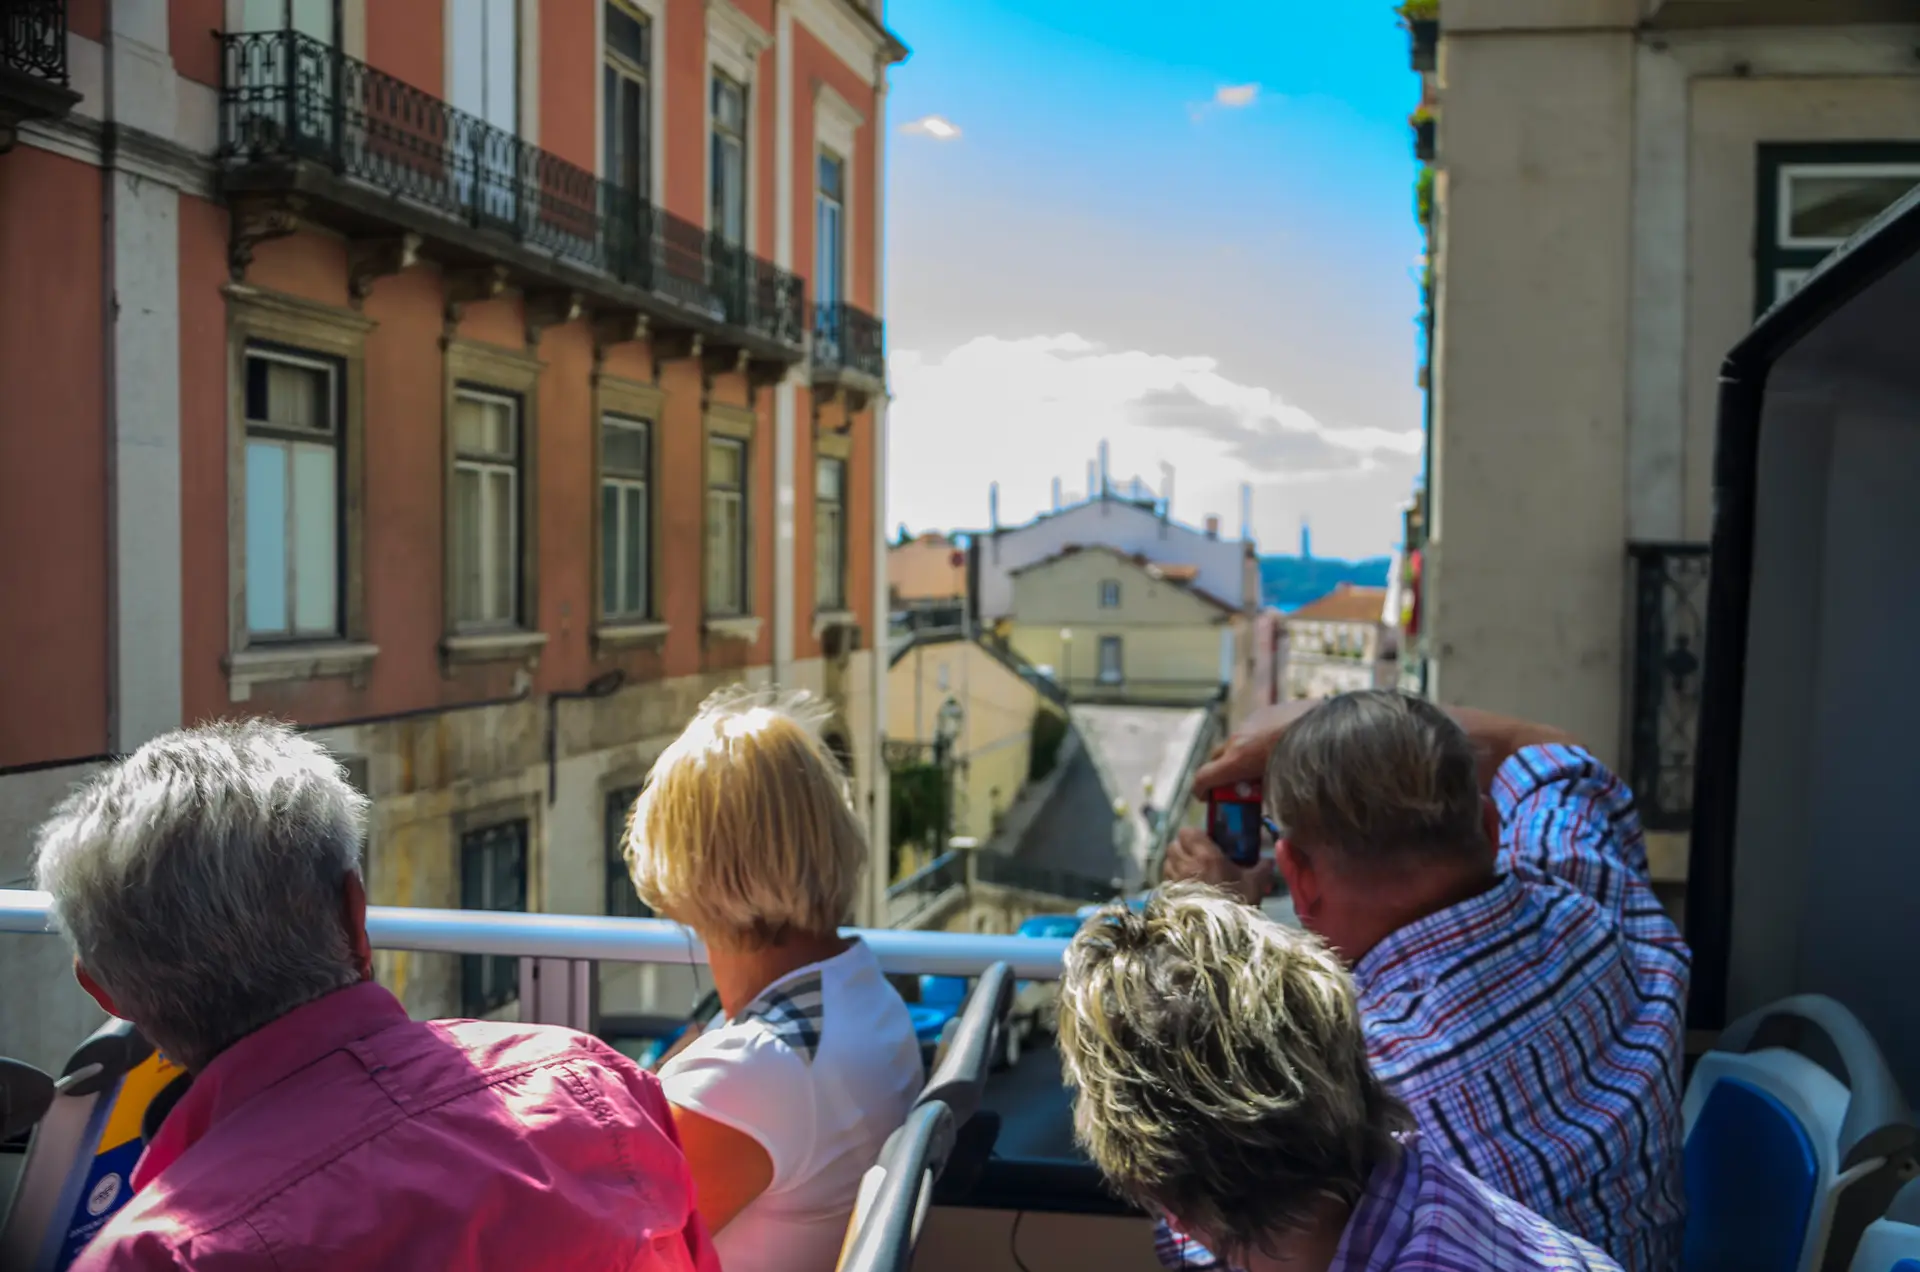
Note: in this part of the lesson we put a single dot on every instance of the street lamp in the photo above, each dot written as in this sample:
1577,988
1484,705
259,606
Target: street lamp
1066,658
601,686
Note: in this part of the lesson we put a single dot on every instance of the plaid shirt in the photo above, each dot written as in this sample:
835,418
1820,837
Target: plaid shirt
1536,1030
1424,1214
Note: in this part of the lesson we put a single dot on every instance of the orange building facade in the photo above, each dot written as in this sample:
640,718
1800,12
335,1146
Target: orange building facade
476,383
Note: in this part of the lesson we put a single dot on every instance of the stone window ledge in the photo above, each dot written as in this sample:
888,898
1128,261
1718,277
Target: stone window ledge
611,637
265,664
745,629
486,647
825,621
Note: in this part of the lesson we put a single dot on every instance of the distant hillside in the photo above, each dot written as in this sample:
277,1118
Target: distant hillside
1287,582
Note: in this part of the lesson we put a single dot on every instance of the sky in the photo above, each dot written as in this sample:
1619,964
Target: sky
1185,230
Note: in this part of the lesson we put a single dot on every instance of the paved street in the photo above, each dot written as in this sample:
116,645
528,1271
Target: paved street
1079,830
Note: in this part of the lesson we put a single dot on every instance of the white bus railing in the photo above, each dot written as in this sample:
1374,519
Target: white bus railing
590,938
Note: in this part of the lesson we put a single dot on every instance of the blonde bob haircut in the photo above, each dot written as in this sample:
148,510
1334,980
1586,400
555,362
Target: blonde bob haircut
744,831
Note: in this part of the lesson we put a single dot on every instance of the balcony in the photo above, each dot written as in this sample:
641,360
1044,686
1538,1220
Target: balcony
308,134
33,65
848,355
1669,641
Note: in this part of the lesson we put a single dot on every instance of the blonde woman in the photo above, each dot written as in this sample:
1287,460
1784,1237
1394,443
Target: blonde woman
744,834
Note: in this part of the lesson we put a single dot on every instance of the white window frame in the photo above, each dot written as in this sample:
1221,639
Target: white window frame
734,45
290,440
483,466
1783,205
836,130
743,518
625,482
654,12
836,603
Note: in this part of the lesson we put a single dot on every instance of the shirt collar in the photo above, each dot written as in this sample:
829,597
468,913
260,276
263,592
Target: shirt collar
269,1055
1382,1219
1442,931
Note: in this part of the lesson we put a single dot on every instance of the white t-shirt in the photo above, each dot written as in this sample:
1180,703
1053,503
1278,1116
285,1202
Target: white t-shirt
819,1069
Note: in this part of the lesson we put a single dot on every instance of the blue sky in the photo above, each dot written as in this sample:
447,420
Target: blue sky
1190,236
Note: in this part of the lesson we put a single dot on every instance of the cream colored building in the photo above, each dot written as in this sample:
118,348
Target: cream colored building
1621,187
1340,643
985,702
1112,626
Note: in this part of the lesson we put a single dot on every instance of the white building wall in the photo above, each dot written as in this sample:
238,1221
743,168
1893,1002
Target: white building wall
1122,526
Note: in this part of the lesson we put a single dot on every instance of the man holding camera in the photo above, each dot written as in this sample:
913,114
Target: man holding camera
1521,988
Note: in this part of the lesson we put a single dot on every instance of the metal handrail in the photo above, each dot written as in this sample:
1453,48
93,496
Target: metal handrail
33,39
594,938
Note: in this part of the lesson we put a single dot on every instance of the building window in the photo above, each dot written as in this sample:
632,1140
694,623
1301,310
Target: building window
1813,198
626,106
728,215
726,527
486,509
829,249
1110,668
626,542
830,533
493,876
293,495
1110,594
622,901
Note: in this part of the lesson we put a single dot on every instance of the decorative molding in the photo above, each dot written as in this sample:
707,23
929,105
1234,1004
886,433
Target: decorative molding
255,221
859,46
614,327
836,122
550,308
374,258
727,420
744,629
630,398
613,638
673,346
836,444
734,41
470,285
825,621
265,664
485,647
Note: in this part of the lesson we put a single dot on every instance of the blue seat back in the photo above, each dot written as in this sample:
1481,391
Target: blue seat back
1753,1183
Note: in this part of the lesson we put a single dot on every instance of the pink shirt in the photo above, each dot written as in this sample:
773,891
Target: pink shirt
345,1135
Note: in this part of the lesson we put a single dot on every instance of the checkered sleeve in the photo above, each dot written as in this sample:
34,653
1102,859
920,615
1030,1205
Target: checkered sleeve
1178,1251
1565,815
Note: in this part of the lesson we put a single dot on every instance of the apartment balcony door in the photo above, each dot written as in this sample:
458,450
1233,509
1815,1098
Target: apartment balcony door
483,77
290,72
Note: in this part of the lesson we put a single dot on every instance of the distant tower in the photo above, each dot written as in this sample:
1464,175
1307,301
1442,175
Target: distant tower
1093,478
1306,540
1246,512
1056,494
1166,490
1104,478
993,506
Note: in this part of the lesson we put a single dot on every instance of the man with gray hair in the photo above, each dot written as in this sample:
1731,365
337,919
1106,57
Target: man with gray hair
210,886
1221,1077
1522,987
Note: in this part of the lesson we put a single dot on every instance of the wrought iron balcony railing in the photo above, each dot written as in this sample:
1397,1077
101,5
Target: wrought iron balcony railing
1669,639
847,339
287,99
33,65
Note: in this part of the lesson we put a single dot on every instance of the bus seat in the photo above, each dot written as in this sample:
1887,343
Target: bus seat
896,1192
1795,1136
959,1080
26,1094
1891,1243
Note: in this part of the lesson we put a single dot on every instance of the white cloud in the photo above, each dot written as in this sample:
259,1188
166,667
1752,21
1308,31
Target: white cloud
938,127
1022,412
1236,96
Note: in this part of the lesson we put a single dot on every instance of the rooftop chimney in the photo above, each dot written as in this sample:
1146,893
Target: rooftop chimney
1213,526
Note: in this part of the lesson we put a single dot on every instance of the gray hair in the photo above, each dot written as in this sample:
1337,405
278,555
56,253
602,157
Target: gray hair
1379,779
200,881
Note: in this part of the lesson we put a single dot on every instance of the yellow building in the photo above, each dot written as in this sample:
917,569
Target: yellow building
1114,627
978,704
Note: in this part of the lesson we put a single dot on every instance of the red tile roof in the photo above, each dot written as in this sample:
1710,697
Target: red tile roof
1345,604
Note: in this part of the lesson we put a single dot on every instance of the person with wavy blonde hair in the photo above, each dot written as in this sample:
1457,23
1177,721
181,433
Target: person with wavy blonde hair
1221,1080
744,833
